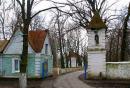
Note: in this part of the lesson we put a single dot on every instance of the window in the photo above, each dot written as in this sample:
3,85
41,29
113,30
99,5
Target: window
46,49
15,65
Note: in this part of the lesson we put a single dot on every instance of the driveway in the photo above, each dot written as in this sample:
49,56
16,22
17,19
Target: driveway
70,80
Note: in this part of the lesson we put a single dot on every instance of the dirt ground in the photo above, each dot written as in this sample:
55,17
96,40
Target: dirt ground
32,83
103,83
69,80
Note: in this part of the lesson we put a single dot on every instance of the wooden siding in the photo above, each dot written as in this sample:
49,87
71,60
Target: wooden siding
15,45
37,64
7,65
31,66
14,49
1,65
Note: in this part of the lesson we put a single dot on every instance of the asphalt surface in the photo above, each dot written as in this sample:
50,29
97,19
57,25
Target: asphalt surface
70,80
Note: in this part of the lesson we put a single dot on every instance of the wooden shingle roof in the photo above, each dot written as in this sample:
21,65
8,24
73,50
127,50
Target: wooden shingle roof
3,44
36,39
96,22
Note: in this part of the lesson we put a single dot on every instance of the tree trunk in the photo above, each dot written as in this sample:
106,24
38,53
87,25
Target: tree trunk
110,50
67,60
123,45
61,53
62,60
85,58
70,62
3,31
23,80
24,56
79,61
54,52
117,48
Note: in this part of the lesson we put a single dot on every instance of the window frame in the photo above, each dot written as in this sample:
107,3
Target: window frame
46,49
13,65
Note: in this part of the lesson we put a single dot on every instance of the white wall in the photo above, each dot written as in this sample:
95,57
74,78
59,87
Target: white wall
15,46
118,70
91,39
49,46
73,61
96,57
96,64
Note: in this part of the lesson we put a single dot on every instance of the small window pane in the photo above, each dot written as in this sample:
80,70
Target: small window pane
16,65
46,48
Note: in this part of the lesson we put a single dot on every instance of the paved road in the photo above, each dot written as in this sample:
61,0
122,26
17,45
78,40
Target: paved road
70,81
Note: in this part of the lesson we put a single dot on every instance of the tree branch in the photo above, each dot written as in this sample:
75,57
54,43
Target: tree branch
19,3
49,9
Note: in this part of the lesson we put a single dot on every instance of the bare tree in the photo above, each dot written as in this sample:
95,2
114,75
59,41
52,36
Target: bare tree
117,45
26,7
37,22
82,11
125,28
59,27
66,35
4,15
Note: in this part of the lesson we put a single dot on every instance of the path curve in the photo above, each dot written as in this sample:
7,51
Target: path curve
70,80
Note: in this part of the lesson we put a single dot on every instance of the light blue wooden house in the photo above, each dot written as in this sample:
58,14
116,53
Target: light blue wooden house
40,60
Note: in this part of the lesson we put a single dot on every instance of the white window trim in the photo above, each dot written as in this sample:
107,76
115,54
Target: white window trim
13,66
46,49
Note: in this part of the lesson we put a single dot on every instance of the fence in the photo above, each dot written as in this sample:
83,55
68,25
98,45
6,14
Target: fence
118,70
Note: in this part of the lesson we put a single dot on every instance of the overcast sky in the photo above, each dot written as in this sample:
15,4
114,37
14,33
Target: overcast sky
120,4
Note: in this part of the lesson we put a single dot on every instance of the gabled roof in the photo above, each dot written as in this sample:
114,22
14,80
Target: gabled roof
3,44
36,39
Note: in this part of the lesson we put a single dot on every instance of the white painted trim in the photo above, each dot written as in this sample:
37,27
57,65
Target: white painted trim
13,65
46,48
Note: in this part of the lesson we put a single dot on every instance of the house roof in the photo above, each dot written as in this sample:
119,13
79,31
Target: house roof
3,44
96,22
36,39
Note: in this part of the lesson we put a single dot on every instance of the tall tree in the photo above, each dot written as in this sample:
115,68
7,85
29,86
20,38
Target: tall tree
59,27
4,16
125,28
26,7
82,11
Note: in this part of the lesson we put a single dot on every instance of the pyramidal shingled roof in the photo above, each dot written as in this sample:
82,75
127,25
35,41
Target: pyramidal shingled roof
96,22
